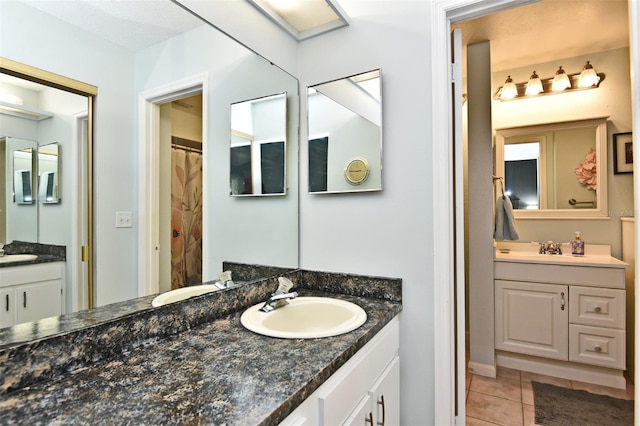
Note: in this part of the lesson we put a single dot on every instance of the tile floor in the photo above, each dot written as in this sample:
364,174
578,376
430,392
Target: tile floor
508,399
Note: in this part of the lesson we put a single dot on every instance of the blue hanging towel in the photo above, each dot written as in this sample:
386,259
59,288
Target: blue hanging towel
505,222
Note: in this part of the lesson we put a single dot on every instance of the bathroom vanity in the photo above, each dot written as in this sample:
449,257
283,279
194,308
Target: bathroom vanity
561,315
193,362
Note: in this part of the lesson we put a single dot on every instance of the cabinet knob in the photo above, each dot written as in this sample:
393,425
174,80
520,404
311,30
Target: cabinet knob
597,348
597,309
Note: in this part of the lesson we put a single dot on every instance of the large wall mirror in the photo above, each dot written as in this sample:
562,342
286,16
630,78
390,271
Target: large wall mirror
345,134
555,170
253,230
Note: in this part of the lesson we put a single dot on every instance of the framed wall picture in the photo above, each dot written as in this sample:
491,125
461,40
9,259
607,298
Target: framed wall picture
622,153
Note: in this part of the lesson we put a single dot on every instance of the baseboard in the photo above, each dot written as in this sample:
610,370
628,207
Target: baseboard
485,370
565,370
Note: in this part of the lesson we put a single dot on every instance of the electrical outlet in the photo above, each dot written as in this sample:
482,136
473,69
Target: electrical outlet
123,219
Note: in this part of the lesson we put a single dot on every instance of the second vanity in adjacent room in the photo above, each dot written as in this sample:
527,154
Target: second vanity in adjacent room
561,315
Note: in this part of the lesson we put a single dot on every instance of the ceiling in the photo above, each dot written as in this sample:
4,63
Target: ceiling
548,30
535,33
127,23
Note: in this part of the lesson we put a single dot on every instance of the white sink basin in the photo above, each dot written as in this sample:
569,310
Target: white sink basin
182,294
17,257
305,318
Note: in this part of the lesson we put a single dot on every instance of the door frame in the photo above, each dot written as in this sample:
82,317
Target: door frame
443,14
149,171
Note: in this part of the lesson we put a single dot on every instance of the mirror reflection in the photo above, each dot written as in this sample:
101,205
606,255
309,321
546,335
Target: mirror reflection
23,176
554,169
345,134
258,146
235,230
49,165
19,218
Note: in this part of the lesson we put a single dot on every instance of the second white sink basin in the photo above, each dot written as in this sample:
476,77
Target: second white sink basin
182,294
305,318
17,257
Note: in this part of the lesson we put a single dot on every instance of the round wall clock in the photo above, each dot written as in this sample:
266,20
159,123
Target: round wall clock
356,171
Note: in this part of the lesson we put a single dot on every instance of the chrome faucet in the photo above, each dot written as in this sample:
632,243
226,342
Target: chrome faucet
550,248
278,300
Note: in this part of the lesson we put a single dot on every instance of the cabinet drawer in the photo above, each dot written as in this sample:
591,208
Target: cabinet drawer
14,275
587,276
602,307
597,346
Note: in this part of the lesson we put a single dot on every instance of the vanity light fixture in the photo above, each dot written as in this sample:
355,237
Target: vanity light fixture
303,19
509,90
560,83
534,85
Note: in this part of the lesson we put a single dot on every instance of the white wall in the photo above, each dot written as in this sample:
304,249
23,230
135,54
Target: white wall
41,41
386,233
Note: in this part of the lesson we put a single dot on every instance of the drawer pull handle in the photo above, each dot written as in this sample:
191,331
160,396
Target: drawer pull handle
597,348
7,308
562,302
24,299
381,402
597,309
369,418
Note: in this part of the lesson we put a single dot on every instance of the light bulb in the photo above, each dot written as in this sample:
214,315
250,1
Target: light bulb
534,85
588,76
509,90
560,81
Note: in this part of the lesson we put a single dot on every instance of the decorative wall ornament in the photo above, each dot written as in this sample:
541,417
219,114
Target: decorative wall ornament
587,171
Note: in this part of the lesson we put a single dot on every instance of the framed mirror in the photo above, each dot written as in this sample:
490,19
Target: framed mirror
258,146
49,167
345,134
555,170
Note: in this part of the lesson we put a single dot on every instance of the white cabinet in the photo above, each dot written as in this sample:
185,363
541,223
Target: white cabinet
532,318
31,292
365,389
572,315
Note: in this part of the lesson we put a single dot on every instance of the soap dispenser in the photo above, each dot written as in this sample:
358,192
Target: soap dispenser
577,245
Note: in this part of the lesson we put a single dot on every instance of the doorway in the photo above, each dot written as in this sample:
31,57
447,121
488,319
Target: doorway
445,13
152,245
181,191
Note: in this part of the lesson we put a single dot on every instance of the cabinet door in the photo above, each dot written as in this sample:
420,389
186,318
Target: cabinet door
532,318
385,395
38,300
362,415
7,307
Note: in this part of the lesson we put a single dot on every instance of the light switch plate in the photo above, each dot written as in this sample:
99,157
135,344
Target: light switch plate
123,219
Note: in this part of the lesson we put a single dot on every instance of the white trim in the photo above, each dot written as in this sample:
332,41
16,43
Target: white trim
77,275
485,370
148,174
443,12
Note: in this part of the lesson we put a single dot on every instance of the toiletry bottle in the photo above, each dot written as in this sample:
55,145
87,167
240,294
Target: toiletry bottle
577,245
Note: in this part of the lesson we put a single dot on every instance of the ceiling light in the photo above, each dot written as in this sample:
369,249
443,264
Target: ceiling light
509,90
588,76
303,19
560,81
534,85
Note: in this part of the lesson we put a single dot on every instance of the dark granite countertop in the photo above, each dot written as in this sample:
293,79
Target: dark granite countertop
46,253
212,371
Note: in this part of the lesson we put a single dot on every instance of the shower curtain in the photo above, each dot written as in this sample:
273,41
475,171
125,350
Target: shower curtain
186,218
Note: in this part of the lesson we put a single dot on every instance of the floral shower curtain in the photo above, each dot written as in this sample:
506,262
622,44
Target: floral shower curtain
186,218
